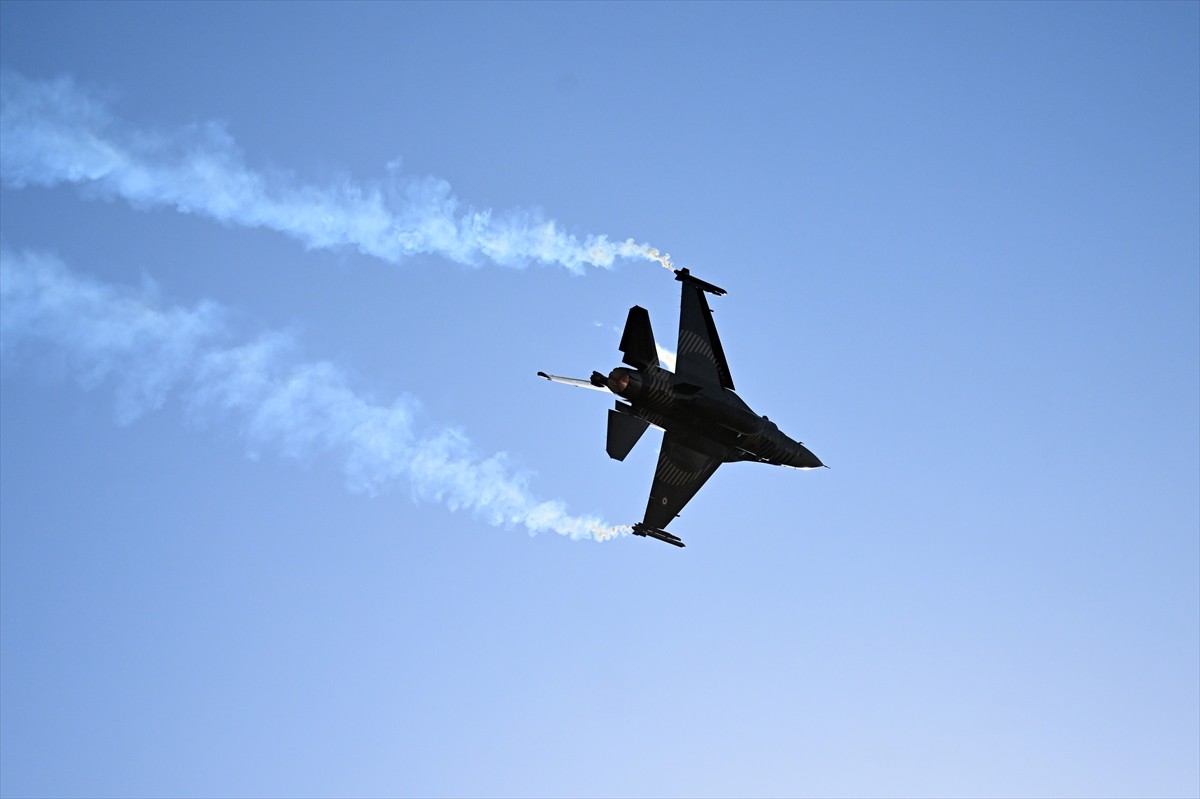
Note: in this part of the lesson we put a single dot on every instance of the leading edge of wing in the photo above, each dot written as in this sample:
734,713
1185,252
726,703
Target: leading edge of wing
700,356
680,473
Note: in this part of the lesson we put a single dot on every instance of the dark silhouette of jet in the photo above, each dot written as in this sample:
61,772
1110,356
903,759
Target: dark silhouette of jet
706,423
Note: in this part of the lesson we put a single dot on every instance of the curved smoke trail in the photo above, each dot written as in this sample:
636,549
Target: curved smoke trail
54,133
149,352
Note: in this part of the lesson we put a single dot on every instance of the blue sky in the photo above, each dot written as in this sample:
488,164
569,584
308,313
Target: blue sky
277,280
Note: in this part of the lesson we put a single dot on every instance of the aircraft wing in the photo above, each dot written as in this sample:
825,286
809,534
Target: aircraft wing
680,474
700,358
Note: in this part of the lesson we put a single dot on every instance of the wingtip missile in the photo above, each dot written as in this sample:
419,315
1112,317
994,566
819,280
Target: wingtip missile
685,276
645,530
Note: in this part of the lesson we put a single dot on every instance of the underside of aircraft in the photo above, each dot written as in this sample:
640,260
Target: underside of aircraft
705,423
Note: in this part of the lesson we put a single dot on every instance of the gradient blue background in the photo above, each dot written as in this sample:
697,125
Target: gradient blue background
962,253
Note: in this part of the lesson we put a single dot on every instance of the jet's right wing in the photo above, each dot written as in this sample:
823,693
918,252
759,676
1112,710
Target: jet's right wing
700,358
680,474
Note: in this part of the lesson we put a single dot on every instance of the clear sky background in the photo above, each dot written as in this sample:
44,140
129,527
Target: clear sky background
255,537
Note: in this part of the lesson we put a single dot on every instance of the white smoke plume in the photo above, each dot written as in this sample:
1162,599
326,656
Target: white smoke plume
666,357
149,352
55,133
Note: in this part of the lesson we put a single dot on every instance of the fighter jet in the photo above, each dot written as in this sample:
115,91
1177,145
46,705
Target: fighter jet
705,422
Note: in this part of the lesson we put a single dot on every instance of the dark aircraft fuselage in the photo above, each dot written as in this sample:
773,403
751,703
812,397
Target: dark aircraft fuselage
705,423
709,419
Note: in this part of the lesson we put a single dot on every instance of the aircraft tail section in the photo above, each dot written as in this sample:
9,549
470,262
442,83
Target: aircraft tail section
637,342
624,431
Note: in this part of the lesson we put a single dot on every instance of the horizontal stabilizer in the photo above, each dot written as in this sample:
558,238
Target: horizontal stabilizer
623,432
637,342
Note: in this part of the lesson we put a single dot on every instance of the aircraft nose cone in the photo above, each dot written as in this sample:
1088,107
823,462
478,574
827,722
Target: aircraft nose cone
803,458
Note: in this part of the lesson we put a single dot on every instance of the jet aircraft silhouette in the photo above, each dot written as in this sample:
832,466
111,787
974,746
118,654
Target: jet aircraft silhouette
706,423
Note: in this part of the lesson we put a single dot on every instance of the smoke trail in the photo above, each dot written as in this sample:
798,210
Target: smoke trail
54,134
666,357
149,351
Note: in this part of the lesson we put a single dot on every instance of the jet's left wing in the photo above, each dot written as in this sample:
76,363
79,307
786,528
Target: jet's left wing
680,474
